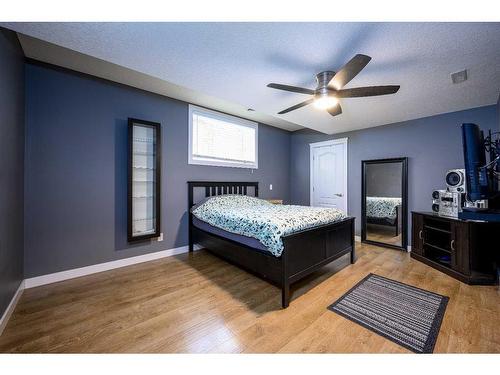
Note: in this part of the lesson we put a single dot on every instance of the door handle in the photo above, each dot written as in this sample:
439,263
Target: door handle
339,195
452,245
420,235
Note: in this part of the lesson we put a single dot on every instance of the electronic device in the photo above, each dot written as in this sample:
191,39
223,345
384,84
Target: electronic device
436,199
477,204
481,176
447,203
455,180
475,160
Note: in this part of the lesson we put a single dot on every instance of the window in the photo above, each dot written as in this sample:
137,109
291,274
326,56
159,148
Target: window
221,140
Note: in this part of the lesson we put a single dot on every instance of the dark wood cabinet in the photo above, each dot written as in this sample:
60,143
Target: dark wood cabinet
462,249
417,233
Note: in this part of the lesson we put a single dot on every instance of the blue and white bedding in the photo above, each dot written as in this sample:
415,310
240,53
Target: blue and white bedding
382,207
257,218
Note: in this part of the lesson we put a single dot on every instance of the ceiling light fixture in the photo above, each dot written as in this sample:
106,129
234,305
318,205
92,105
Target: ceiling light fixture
330,88
325,101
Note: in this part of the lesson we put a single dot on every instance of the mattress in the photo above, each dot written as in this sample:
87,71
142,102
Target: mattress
244,240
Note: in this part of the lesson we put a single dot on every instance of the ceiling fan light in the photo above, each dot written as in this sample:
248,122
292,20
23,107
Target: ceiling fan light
325,102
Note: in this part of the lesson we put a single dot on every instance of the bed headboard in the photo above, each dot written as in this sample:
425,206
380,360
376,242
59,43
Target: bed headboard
213,188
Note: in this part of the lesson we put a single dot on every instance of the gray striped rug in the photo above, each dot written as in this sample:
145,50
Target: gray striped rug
409,316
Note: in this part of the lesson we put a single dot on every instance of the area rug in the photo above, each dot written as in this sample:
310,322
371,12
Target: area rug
404,314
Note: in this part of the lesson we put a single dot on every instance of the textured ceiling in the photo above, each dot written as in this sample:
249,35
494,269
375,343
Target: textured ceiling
233,62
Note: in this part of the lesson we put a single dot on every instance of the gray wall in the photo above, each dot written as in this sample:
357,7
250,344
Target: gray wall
76,156
11,166
432,144
384,180
498,112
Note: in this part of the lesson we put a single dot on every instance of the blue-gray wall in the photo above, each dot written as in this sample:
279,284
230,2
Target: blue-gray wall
76,156
432,144
498,112
11,166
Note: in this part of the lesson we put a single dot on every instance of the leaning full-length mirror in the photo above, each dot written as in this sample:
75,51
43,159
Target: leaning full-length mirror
384,202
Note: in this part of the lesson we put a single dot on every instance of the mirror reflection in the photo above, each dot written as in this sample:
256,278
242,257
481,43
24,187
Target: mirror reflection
383,200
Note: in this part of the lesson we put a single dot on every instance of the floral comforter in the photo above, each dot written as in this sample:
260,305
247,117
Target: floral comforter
257,218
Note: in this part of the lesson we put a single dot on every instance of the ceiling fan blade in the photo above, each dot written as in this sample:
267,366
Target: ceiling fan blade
334,111
296,106
359,92
300,90
349,71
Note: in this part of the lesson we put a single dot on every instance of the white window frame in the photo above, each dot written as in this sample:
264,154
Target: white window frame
223,117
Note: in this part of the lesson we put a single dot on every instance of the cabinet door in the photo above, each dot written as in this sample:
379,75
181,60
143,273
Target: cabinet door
460,247
417,234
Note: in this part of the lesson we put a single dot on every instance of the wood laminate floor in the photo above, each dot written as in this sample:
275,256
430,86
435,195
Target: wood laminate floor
198,303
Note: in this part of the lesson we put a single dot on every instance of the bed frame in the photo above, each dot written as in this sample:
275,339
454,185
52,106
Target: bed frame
304,252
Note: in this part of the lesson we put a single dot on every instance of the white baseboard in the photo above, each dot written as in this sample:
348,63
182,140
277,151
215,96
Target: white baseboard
12,305
101,267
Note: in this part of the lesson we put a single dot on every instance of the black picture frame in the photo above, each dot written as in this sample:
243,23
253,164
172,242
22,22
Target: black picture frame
404,197
157,176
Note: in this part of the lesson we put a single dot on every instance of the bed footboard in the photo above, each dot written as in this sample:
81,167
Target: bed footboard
307,251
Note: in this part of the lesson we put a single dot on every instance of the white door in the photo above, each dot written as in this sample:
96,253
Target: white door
329,174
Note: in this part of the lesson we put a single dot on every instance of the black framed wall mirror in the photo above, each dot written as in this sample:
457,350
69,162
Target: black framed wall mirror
384,202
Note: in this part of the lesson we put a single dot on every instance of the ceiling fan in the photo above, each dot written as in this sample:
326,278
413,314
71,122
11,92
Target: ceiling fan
329,89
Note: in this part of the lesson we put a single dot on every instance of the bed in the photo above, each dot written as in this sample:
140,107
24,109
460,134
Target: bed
302,252
384,211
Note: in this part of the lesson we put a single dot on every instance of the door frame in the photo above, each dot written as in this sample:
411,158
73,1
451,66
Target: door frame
331,142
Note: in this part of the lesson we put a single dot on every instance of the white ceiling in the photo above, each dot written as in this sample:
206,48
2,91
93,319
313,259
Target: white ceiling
231,64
